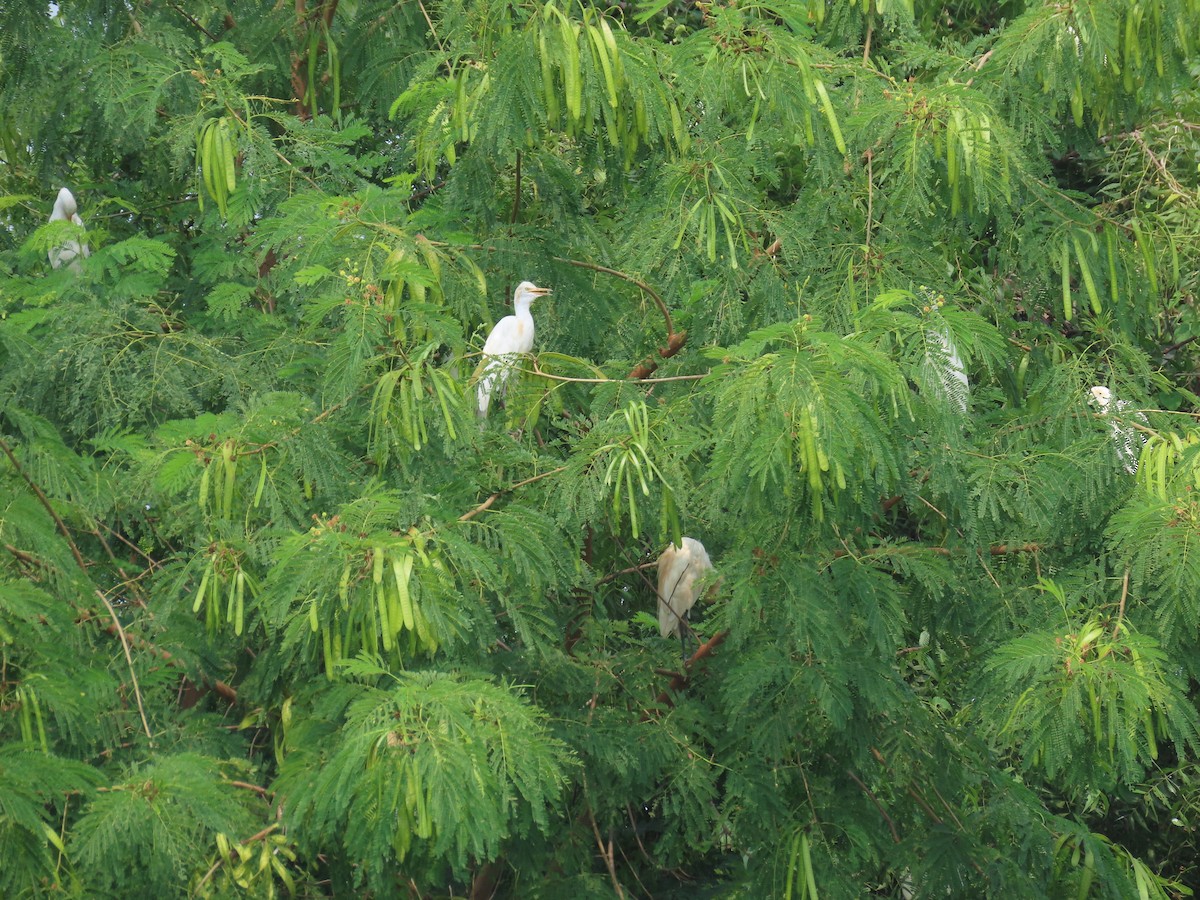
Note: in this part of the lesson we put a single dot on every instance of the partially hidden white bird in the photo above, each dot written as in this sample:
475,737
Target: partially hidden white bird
679,570
512,336
950,374
1127,441
68,252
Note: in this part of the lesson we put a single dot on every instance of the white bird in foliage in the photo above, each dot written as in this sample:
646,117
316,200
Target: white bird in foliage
511,336
67,253
679,568
1128,441
950,374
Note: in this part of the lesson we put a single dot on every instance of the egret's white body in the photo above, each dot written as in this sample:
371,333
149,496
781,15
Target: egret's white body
949,369
67,253
679,568
1128,441
512,336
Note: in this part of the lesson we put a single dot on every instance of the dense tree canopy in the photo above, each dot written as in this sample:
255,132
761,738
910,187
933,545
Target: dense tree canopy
832,282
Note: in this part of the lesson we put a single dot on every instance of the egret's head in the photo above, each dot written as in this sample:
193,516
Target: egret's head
527,292
65,204
1101,398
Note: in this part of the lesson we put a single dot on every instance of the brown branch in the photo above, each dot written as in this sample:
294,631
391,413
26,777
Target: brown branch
647,367
153,563
1170,179
247,786
195,24
870,195
221,860
483,885
127,582
141,643
1177,345
137,691
879,806
980,64
995,550
45,503
428,21
593,267
675,340
1005,549
329,11
948,807
298,78
658,301
607,856
538,371
638,568
637,837
28,558
681,678
924,804
1121,606
497,494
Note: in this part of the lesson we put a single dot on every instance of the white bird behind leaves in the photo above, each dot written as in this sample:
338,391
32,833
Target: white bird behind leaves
1127,440
513,335
949,374
67,253
679,568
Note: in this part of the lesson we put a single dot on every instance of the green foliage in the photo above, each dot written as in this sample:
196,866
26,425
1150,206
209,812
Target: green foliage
831,283
154,821
436,766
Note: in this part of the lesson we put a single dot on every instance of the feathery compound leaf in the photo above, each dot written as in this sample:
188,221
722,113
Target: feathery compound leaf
409,755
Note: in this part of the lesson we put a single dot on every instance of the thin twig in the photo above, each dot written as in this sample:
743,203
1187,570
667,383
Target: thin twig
632,870
433,31
1177,345
154,563
541,374
137,691
594,267
45,503
1121,605
870,196
497,494
1172,182
609,862
195,24
250,840
580,264
126,582
637,837
247,786
638,568
879,806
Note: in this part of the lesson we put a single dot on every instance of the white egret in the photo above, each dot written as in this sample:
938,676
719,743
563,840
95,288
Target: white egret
679,568
949,372
512,335
67,253
1127,440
